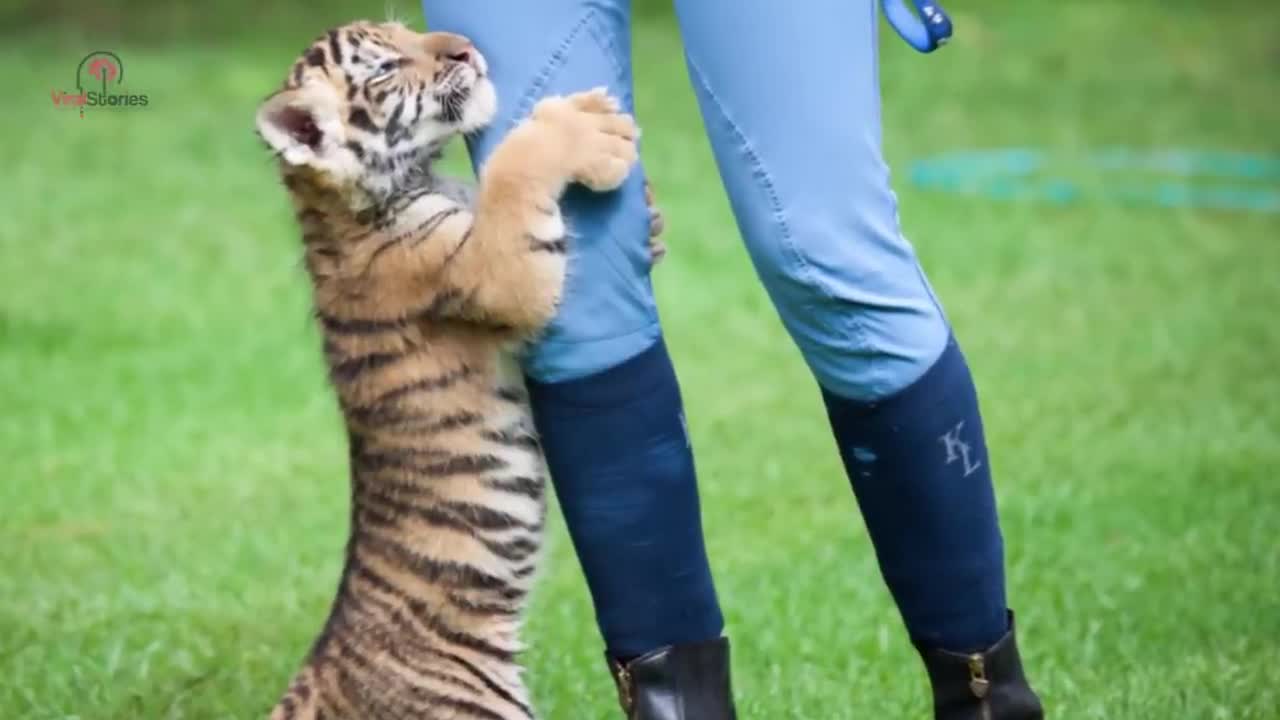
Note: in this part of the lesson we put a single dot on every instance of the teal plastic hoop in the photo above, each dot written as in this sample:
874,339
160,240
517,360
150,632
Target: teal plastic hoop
1173,178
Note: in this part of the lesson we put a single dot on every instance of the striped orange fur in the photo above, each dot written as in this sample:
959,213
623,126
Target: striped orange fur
421,289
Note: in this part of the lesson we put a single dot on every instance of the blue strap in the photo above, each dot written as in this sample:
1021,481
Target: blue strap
925,33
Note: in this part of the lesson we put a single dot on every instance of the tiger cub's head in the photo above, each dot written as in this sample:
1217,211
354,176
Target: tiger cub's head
369,104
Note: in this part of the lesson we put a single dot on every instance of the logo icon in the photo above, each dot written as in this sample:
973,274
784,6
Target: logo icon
99,83
103,65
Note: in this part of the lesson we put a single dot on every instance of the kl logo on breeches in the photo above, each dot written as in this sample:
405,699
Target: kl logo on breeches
958,449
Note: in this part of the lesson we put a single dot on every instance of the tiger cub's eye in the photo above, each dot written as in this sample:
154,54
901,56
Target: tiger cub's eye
384,71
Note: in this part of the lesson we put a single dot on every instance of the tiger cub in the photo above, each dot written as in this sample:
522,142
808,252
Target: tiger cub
420,292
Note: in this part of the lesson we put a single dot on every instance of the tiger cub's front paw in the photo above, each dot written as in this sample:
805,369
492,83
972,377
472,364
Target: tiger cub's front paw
600,139
657,223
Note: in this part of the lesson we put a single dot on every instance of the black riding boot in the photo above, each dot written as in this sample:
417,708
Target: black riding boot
678,682
987,685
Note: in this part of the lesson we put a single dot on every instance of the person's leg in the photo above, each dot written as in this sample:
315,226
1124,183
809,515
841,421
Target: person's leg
605,397
790,97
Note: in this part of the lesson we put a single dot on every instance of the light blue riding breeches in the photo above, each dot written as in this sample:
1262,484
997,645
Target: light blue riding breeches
790,98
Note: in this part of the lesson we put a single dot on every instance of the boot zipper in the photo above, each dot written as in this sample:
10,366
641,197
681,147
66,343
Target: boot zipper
978,683
624,688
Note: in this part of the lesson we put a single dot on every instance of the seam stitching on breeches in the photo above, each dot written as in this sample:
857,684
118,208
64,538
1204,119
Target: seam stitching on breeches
852,330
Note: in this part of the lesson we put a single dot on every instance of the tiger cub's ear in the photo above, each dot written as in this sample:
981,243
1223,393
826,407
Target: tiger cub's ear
301,124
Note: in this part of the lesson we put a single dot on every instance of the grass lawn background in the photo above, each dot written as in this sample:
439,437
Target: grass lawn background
173,488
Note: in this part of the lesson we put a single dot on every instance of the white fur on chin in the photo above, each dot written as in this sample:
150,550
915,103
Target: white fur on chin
482,105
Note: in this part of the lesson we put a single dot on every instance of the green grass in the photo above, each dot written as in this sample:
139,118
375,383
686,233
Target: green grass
172,499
